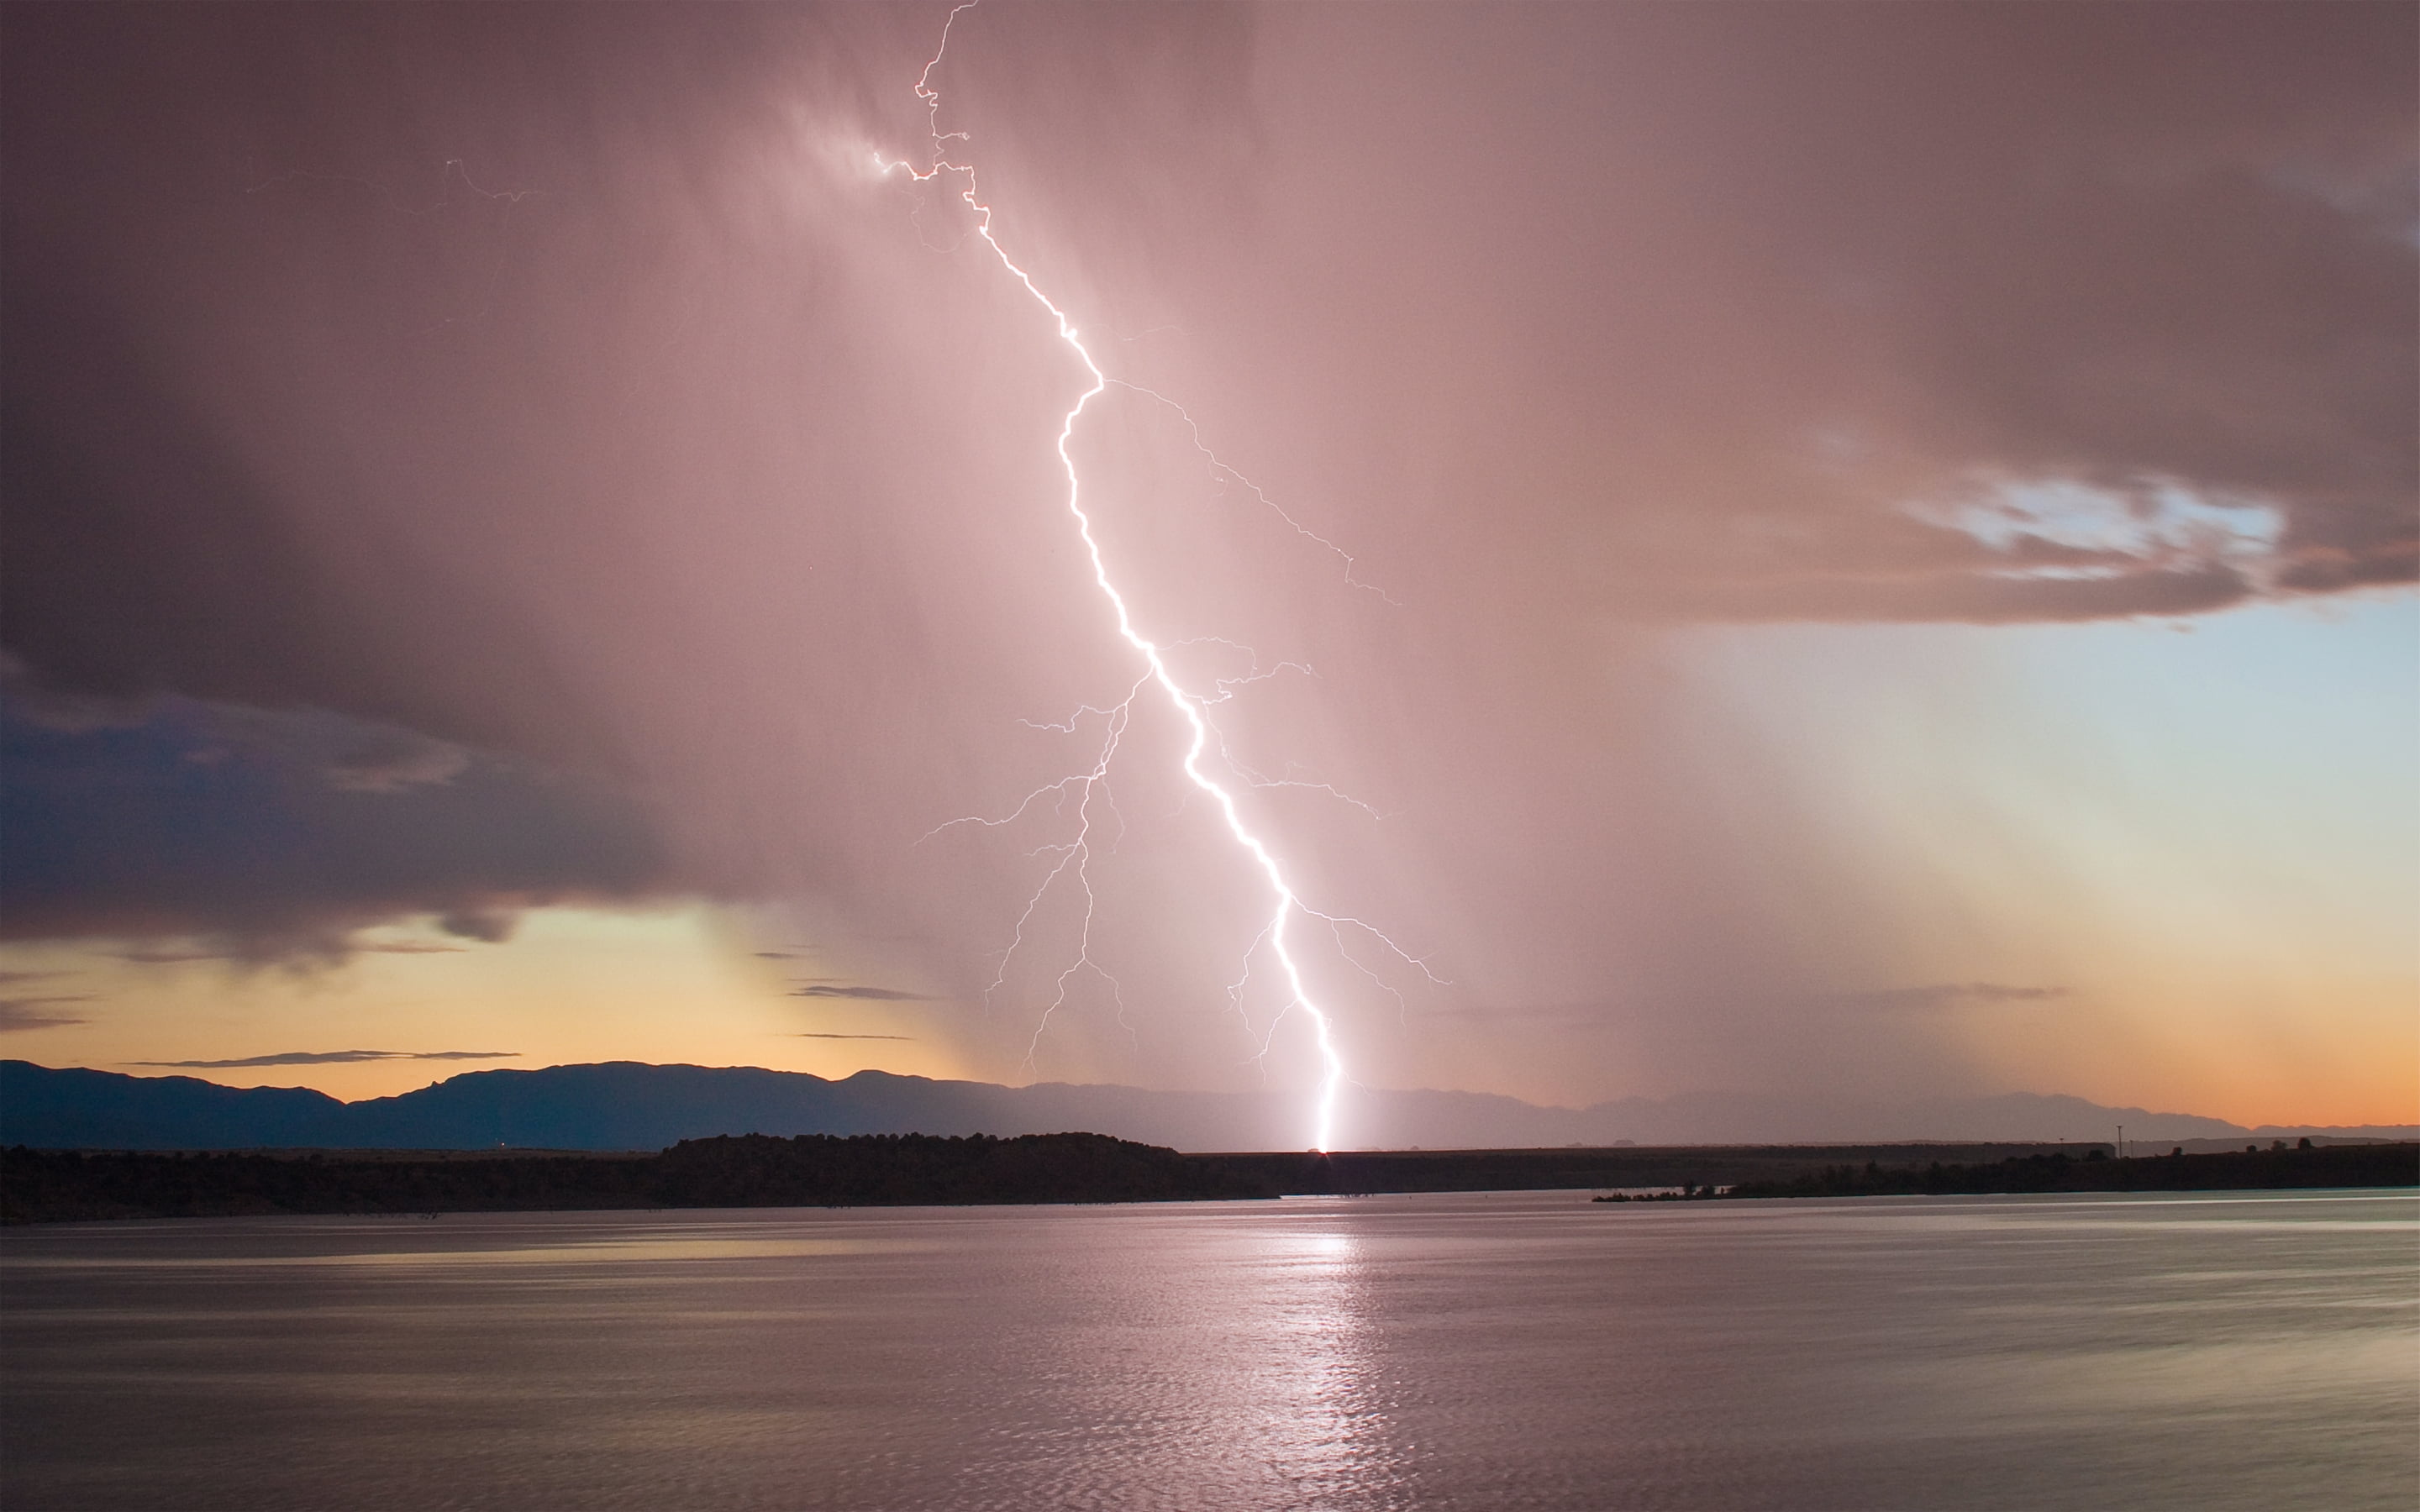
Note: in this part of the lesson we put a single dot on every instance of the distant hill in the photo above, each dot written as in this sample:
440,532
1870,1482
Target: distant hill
630,1105
103,1110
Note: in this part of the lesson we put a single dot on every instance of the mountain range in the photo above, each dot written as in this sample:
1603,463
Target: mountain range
631,1105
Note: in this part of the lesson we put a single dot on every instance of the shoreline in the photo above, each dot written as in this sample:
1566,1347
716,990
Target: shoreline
896,1170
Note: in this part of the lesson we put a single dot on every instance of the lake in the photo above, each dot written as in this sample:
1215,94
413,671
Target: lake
1465,1351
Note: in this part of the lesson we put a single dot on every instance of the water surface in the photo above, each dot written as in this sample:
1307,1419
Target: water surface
1517,1351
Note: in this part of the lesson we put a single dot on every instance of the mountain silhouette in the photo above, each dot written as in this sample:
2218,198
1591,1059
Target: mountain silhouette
632,1105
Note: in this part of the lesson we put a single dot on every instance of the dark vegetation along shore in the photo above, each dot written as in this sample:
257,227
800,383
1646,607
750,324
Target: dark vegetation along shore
876,1170
745,1171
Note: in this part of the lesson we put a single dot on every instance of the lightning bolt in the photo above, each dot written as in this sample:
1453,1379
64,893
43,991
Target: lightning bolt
1084,787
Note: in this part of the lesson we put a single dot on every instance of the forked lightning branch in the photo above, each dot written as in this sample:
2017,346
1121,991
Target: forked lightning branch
1188,704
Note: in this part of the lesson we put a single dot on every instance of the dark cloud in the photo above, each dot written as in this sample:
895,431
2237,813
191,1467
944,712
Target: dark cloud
171,955
877,994
113,831
331,1057
1791,273
162,955
1984,599
36,1013
488,926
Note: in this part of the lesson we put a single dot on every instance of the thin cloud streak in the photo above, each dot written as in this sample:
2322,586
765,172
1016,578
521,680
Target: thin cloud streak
331,1057
33,1012
1948,993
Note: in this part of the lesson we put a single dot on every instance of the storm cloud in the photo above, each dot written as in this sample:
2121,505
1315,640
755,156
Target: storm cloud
221,829
461,458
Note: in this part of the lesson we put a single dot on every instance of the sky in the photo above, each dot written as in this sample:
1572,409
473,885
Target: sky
1849,549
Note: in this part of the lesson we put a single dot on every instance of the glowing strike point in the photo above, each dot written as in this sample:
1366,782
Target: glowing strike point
1188,704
